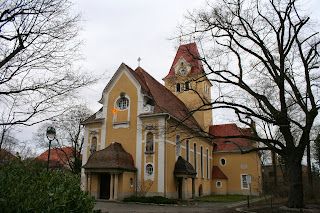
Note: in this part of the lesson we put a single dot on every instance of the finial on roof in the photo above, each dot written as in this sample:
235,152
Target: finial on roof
139,59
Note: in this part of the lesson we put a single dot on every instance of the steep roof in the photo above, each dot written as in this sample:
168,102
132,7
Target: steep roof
112,157
217,173
164,100
58,156
183,167
225,130
93,118
190,53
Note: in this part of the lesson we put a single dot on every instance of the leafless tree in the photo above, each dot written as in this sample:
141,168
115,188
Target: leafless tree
69,132
266,52
38,45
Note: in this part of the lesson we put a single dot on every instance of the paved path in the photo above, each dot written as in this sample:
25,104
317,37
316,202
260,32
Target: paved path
116,207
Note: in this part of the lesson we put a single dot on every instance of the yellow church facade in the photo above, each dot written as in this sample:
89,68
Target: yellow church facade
146,140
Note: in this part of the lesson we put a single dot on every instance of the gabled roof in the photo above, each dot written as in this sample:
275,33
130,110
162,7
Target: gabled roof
112,157
93,118
58,156
217,173
164,100
190,53
225,130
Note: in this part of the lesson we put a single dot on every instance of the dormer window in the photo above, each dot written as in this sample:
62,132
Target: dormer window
178,87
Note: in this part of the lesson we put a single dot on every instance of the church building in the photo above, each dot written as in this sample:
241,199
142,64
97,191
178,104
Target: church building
152,139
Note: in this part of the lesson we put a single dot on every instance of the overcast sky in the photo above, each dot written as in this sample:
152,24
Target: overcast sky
116,31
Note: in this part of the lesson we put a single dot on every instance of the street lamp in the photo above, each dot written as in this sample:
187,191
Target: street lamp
51,135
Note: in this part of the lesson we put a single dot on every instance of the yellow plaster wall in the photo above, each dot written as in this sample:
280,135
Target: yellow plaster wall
172,183
126,136
124,182
233,170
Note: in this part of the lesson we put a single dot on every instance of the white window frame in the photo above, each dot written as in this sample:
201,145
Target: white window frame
225,161
149,174
220,184
187,86
242,186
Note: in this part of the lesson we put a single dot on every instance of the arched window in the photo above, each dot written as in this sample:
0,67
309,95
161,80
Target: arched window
201,161
195,157
123,103
93,147
178,87
188,150
149,144
187,86
207,164
178,145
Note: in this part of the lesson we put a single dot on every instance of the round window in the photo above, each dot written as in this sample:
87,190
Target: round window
223,161
123,103
218,184
149,169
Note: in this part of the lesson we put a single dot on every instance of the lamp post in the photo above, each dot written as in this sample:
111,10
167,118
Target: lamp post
51,135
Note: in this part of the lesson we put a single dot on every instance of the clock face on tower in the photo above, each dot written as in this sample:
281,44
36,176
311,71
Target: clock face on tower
182,70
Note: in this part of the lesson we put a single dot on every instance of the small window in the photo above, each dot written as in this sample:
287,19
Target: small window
207,163
223,161
178,87
149,169
195,157
123,103
219,184
244,182
131,182
201,162
187,86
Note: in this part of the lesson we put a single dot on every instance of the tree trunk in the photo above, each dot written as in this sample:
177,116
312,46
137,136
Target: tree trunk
295,199
310,182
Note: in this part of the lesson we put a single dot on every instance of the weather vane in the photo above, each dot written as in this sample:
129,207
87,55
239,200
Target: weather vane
139,59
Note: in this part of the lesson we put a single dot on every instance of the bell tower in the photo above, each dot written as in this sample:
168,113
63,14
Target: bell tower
188,81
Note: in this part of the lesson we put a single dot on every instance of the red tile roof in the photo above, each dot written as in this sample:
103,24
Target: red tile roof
217,173
58,156
164,100
190,53
230,130
6,156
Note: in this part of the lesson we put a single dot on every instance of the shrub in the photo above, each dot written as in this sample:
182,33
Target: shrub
27,187
154,199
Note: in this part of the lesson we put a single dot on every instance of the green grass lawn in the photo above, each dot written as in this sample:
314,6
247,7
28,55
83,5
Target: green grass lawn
223,198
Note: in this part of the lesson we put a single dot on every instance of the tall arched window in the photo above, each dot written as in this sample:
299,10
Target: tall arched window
201,161
178,145
188,150
149,144
207,164
195,157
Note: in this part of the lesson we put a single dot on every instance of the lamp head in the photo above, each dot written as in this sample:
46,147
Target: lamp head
51,133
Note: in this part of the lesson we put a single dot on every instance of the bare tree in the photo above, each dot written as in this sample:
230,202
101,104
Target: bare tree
38,45
70,132
266,52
